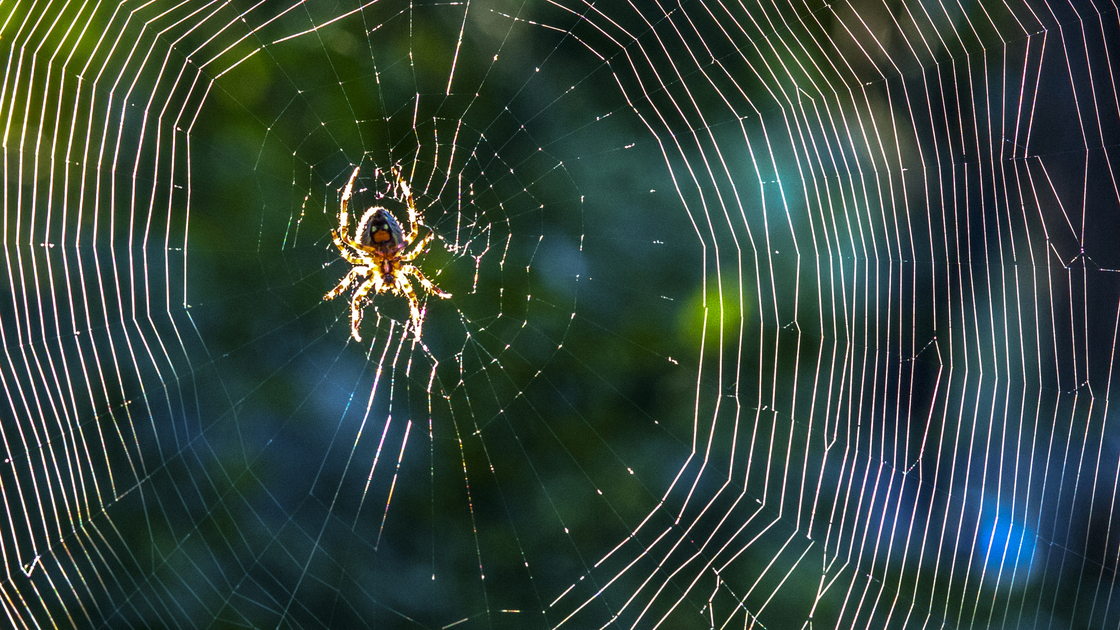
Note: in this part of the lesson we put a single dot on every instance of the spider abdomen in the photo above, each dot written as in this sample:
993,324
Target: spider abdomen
380,232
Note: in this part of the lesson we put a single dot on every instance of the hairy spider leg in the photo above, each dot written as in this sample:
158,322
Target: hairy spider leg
351,257
428,285
343,233
373,284
344,213
413,215
405,287
355,273
418,248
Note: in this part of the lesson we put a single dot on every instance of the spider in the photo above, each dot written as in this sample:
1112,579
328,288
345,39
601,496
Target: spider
381,264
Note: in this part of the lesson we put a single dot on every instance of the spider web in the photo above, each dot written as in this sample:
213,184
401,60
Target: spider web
763,315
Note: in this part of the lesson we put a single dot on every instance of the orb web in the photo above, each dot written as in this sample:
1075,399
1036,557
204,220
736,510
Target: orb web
762,315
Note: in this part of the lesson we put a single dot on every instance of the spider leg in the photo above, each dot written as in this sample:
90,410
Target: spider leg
413,215
419,247
355,273
428,285
343,212
342,236
350,256
374,283
405,287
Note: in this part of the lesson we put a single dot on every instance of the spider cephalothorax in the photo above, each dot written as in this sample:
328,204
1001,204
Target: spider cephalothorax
381,262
